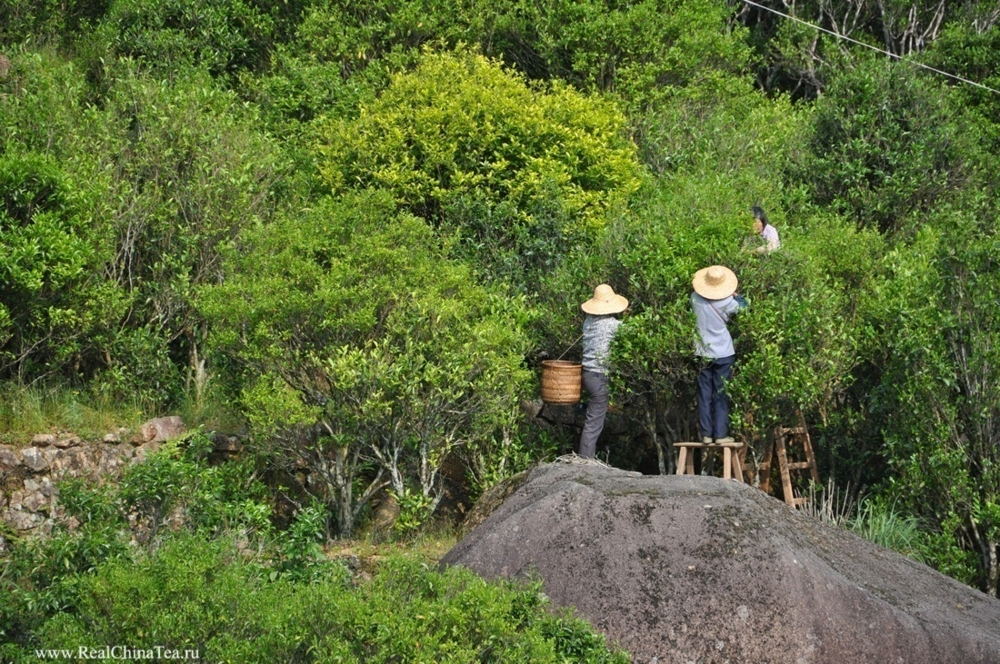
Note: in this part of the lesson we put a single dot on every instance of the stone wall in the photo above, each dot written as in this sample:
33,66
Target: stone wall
29,475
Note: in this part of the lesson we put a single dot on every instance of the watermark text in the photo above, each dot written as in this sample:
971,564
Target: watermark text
123,653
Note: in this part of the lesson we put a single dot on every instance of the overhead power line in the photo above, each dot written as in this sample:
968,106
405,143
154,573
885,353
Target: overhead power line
874,48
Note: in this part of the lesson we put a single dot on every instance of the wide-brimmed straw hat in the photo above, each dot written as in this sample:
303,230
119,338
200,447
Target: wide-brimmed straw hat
605,301
714,282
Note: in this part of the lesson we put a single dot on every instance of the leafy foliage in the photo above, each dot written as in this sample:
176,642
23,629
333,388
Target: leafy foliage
47,20
170,36
883,150
222,582
199,596
106,248
512,164
173,490
941,442
46,269
640,52
368,342
167,239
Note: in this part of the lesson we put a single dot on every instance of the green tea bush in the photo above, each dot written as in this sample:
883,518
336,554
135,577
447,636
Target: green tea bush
519,170
213,499
884,147
39,575
168,36
47,21
301,543
192,594
637,51
174,491
938,407
47,266
971,53
798,341
116,202
370,355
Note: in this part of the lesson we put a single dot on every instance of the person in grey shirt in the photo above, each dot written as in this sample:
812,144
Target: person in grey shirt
714,301
599,328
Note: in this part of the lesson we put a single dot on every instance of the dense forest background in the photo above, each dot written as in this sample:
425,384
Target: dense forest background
355,228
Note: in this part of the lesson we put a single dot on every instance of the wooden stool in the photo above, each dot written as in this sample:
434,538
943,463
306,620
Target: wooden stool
731,466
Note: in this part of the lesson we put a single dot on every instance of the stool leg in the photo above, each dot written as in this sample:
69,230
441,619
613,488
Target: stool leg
689,466
737,468
727,461
680,460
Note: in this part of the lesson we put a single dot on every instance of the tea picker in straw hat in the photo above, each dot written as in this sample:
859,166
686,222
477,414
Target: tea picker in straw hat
599,328
714,301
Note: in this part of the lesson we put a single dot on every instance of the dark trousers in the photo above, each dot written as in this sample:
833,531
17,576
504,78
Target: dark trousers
713,404
596,385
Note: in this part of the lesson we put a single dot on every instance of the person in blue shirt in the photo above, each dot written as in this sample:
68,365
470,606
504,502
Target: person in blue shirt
714,301
599,328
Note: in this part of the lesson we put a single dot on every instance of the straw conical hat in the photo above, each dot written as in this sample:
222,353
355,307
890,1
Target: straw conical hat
714,282
605,301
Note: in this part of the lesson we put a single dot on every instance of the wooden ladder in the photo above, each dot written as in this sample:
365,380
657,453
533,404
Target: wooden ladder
786,438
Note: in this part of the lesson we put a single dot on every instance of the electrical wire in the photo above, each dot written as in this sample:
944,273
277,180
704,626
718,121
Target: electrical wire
874,48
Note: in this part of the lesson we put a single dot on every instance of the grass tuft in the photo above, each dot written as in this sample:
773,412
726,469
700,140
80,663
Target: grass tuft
28,410
878,521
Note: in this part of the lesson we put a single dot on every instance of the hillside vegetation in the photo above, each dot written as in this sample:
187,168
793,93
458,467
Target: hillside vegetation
355,228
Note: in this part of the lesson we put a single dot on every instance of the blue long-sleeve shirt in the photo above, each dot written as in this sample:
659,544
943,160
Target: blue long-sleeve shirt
714,338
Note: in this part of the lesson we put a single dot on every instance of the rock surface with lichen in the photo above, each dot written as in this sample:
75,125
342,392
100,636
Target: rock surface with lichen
699,569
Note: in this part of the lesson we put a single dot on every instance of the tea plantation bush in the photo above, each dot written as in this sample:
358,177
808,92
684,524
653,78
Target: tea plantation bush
204,596
214,576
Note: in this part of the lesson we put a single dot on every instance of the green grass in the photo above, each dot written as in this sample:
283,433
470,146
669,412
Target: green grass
26,411
214,413
29,410
874,518
878,521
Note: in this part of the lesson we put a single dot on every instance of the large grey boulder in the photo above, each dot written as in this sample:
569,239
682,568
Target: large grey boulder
698,569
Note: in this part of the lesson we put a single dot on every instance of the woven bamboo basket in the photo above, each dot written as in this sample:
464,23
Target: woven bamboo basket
561,381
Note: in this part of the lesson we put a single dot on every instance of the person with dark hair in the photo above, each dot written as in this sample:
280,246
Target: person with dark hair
714,301
599,328
768,232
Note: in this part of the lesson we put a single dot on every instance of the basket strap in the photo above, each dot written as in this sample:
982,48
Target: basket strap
570,346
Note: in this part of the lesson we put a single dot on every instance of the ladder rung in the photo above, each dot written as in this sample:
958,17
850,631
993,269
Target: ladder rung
800,465
793,430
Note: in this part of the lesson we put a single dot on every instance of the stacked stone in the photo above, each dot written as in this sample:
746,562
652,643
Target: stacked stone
29,475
